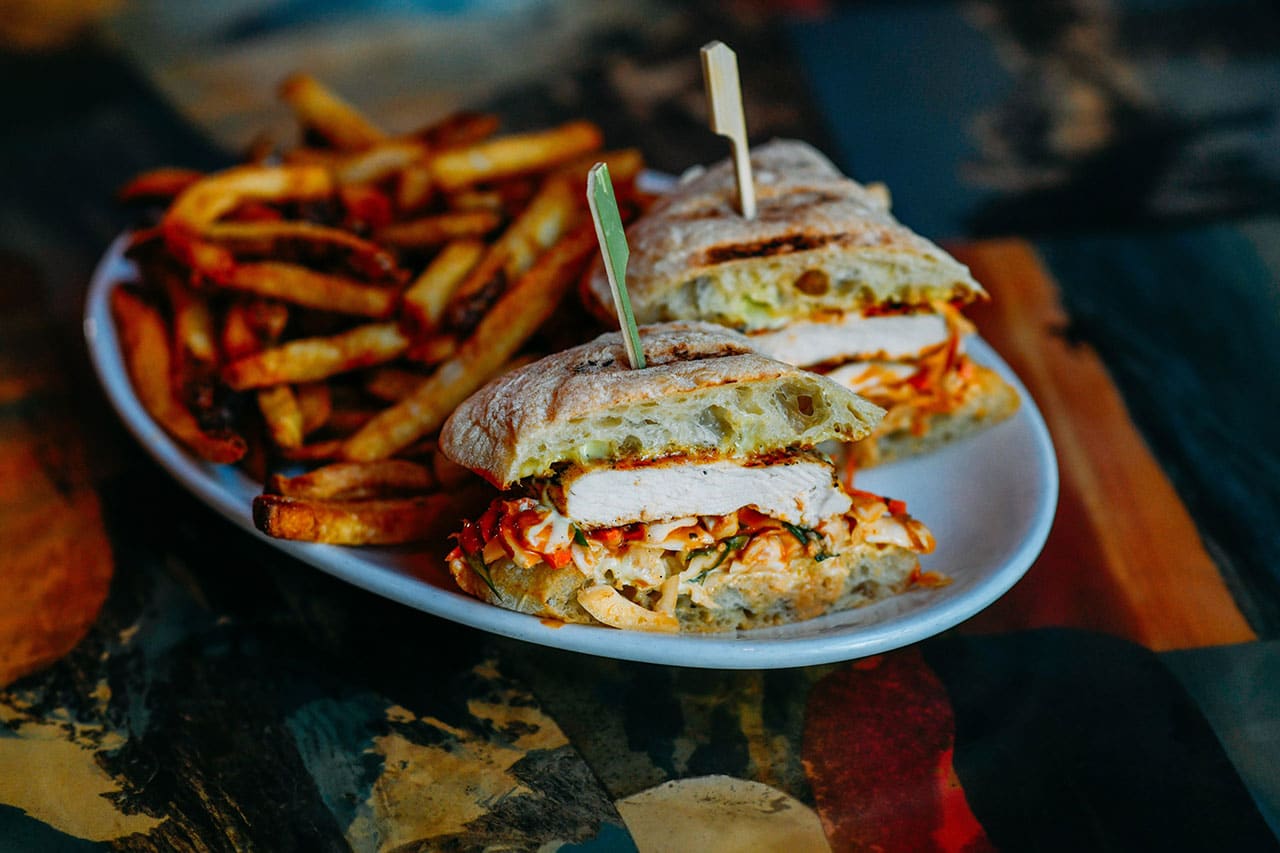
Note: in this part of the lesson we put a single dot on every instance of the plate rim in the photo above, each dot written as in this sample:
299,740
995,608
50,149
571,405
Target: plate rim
728,650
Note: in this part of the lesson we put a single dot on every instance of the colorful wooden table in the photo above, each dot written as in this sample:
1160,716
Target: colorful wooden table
167,682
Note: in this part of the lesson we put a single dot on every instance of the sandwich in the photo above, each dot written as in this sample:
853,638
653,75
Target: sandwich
683,496
824,278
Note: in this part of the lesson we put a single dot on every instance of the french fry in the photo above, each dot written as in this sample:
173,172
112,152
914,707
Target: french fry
458,129
356,481
301,286
380,162
378,522
440,228
194,338
624,165
288,282
510,322
238,337
432,350
365,208
309,359
477,199
283,416
392,383
289,238
516,154
159,183
315,402
250,324
324,112
346,421
414,188
216,195
543,222
423,304
319,451
144,341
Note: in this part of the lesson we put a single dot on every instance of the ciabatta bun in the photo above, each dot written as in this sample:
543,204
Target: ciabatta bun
819,243
704,391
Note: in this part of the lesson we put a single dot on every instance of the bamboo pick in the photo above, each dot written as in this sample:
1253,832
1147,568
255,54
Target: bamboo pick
613,247
724,97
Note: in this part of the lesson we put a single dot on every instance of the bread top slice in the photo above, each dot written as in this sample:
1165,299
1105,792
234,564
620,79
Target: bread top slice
820,243
703,392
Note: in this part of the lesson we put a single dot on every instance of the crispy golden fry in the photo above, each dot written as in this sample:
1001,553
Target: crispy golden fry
477,199
458,129
282,414
319,451
159,183
309,359
144,342
286,238
515,317
542,223
392,383
286,282
516,154
624,166
365,208
415,189
440,228
194,338
250,324
356,481
316,404
423,304
380,162
379,522
432,350
216,195
324,112
238,337
346,421
301,286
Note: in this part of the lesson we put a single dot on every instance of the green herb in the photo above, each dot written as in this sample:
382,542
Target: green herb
803,534
697,552
478,566
824,556
733,543
579,537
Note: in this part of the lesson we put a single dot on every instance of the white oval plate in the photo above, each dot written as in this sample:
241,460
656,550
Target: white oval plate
989,501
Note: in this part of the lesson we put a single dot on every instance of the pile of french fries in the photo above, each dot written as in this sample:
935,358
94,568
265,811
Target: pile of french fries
315,315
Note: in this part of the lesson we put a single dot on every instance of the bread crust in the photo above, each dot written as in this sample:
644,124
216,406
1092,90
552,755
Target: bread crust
704,390
694,257
752,600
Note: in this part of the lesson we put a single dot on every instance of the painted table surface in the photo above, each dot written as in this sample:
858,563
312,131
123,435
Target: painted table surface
169,683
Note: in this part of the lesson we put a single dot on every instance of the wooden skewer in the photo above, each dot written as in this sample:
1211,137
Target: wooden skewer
724,96
613,247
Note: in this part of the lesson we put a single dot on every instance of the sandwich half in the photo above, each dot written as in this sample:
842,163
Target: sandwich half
824,278
685,496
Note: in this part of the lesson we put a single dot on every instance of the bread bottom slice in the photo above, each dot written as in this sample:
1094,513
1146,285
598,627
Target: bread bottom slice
987,401
753,598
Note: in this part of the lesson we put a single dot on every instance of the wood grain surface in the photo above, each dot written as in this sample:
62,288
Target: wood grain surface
1123,556
56,561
